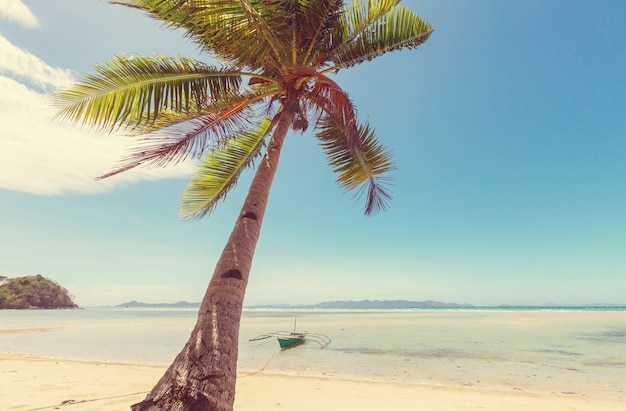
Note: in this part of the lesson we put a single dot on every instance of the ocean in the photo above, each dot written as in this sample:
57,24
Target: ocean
566,351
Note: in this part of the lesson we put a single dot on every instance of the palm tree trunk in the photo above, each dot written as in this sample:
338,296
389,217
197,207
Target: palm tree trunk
203,375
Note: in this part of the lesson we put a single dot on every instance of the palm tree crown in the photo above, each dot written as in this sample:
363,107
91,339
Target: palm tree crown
181,108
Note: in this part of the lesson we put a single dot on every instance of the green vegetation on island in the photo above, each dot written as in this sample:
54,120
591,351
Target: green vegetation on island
33,292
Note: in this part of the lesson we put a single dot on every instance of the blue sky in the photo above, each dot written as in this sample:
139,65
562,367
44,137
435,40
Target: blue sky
509,135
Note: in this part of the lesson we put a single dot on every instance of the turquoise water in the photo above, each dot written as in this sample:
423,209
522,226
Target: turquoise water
568,351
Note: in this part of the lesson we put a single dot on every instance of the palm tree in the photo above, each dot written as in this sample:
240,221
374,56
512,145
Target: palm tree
181,109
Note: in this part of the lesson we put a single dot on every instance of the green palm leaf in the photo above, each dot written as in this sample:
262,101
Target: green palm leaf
130,91
361,168
182,140
220,170
172,122
247,33
312,26
177,136
384,27
358,17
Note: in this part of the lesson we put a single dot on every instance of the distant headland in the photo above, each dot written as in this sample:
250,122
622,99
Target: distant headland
33,292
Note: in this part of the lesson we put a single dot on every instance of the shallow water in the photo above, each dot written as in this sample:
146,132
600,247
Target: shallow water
569,352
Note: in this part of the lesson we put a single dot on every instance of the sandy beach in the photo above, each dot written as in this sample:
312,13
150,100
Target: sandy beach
30,383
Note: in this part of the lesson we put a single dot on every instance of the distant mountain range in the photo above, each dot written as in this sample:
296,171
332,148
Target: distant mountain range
367,304
137,304
363,304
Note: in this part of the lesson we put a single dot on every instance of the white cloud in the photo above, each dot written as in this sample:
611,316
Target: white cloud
24,66
41,157
15,10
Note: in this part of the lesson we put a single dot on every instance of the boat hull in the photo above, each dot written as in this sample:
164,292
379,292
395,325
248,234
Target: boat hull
290,341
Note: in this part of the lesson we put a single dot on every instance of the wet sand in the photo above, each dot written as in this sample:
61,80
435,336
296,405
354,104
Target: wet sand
29,384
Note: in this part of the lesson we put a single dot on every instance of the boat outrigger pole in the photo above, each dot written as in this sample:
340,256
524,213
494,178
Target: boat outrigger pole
288,339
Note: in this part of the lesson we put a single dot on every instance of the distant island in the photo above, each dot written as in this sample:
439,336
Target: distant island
33,292
363,304
137,304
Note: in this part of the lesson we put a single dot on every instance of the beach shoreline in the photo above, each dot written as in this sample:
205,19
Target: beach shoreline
33,383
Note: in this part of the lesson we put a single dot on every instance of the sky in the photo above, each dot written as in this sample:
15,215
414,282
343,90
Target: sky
509,133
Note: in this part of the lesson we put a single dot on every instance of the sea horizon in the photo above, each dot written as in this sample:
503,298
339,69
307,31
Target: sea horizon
374,305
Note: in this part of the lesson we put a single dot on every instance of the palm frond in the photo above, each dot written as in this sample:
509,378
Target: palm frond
361,169
370,35
361,15
246,33
167,121
186,138
259,14
220,170
326,97
130,91
312,24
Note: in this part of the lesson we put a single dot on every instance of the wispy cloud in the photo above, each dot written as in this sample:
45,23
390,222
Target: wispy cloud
16,11
30,69
41,157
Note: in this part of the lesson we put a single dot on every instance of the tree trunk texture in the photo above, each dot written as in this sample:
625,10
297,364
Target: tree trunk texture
203,375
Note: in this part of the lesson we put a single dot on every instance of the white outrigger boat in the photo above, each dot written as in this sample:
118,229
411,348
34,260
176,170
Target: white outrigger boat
289,339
